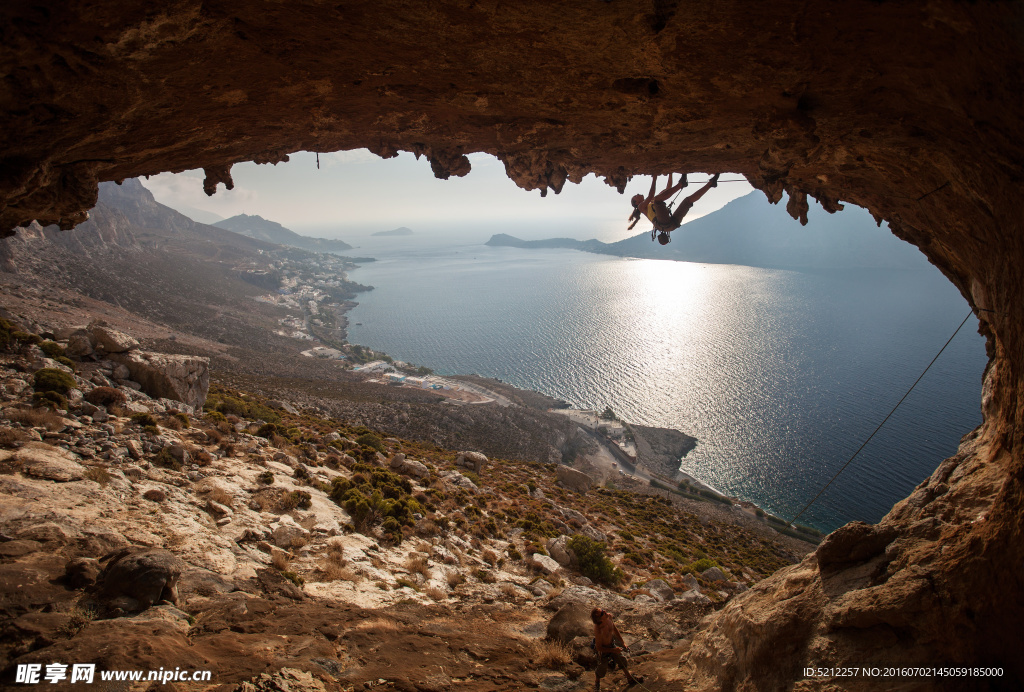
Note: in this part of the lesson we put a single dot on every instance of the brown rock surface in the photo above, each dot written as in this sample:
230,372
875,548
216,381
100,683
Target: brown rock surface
909,109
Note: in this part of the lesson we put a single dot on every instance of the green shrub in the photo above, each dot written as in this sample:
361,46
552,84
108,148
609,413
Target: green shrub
702,565
592,561
53,380
472,476
296,499
266,478
143,419
268,430
67,362
293,578
52,349
216,417
167,460
183,417
371,440
26,338
50,400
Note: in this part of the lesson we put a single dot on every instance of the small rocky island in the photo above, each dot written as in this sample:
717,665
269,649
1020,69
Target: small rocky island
401,230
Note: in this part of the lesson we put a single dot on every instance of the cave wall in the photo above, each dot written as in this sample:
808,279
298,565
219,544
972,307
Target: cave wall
911,109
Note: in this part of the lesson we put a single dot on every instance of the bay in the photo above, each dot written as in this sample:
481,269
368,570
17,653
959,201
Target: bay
780,375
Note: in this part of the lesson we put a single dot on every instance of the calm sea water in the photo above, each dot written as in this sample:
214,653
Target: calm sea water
780,375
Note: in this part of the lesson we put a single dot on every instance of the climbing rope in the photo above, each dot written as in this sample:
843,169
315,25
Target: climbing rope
792,521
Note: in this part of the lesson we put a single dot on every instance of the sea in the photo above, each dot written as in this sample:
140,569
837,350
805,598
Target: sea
780,375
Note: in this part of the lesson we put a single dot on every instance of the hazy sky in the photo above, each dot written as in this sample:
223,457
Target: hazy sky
356,193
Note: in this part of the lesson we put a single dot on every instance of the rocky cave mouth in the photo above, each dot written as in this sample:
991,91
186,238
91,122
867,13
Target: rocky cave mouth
910,110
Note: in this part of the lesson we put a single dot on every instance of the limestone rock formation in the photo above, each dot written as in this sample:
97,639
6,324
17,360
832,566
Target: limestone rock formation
573,479
474,461
182,378
51,463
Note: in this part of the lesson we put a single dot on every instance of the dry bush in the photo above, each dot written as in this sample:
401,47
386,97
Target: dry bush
203,458
490,557
435,594
418,565
424,547
36,418
9,437
172,423
332,571
550,654
427,527
509,589
455,578
98,474
336,553
213,436
221,496
280,561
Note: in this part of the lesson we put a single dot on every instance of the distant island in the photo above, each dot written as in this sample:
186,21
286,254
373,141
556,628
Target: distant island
752,232
397,231
273,232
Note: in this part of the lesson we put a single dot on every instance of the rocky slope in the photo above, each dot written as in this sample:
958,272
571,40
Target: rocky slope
268,545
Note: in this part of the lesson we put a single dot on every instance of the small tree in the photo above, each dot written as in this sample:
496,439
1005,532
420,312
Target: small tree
593,563
608,414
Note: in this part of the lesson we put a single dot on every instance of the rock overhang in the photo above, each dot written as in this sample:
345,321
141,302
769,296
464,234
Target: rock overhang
910,109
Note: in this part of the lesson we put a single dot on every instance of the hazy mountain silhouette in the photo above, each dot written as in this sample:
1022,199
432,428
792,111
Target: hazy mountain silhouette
752,232
273,232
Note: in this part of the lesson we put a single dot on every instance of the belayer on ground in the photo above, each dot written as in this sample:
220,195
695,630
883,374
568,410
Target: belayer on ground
659,213
608,654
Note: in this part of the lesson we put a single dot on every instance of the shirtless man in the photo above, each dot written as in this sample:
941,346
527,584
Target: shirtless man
654,208
605,636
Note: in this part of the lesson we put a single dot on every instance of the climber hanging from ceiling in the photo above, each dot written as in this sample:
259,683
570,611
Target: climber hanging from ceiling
659,213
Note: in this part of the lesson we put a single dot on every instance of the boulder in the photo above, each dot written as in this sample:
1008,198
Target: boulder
572,620
50,463
111,341
593,534
409,467
79,344
475,461
546,563
181,378
690,581
694,596
288,534
714,574
137,578
558,548
458,481
660,589
573,479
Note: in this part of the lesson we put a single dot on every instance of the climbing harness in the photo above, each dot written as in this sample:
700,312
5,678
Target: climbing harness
792,522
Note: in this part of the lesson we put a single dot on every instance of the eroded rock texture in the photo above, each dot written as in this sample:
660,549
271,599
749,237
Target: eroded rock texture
911,109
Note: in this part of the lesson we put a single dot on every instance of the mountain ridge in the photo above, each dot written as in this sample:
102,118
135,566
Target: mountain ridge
749,232
256,226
